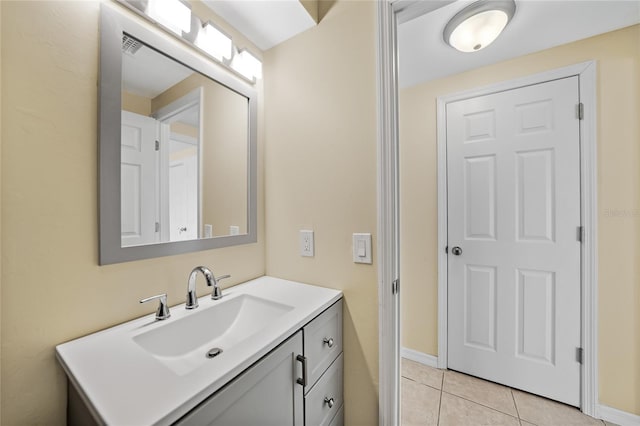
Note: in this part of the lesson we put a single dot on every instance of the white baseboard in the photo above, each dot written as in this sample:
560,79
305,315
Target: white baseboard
422,358
616,416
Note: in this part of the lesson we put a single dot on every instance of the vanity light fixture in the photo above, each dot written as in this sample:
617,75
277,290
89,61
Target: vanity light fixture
247,64
175,17
214,42
173,14
479,24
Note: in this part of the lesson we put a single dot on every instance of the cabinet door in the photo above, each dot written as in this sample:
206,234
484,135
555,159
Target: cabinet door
266,394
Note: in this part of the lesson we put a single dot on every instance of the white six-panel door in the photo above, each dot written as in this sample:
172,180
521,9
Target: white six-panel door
513,175
183,192
138,171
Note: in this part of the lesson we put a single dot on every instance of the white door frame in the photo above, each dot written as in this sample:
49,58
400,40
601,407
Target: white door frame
389,13
586,73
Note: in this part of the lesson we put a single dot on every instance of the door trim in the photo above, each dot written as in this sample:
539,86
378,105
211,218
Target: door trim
388,229
586,72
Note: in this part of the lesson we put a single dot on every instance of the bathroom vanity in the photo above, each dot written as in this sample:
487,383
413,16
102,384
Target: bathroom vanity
268,353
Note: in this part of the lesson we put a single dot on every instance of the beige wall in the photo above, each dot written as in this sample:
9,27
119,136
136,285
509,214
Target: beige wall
618,91
52,287
136,104
320,174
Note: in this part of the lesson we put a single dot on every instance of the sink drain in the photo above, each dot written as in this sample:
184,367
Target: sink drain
212,353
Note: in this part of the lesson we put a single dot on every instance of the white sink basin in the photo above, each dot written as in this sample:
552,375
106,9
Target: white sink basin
153,372
182,345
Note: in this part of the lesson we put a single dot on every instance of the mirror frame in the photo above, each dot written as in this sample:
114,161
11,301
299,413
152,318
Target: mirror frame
113,25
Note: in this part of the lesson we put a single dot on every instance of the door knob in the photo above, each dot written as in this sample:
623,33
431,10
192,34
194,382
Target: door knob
456,250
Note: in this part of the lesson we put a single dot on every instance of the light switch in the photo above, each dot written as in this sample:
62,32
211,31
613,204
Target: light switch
362,248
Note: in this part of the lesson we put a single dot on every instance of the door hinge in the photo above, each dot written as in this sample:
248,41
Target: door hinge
446,249
580,111
395,286
580,233
157,226
157,145
579,355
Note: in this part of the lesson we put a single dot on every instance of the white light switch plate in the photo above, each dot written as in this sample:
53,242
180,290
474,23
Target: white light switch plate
362,248
306,243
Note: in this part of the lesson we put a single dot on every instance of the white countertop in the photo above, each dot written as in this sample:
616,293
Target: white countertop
123,384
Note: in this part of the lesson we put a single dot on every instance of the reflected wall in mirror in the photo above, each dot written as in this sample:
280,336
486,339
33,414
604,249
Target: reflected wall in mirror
177,146
182,177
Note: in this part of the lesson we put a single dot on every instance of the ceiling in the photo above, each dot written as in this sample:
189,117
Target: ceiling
537,25
265,22
148,73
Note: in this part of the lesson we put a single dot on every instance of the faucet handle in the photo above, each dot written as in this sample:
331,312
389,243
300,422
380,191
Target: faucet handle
217,291
163,310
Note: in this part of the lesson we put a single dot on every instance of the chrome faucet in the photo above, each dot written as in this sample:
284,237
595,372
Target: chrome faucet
163,309
212,281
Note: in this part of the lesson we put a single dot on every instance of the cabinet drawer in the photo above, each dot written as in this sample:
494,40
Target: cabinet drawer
338,420
317,410
322,342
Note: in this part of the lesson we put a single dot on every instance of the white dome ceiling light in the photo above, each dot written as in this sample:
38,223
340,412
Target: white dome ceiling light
479,24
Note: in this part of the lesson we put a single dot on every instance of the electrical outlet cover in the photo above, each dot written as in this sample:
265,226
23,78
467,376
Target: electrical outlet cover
306,243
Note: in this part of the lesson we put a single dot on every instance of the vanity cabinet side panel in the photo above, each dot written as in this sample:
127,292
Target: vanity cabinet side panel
78,413
266,394
323,342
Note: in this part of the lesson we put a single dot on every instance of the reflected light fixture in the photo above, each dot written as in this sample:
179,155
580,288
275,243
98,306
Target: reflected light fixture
173,14
247,64
479,24
214,42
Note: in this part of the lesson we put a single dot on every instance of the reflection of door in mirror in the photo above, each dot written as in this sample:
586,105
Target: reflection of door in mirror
183,188
138,171
196,183
180,152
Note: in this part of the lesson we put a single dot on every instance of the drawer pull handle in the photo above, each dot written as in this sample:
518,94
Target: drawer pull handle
329,401
303,360
328,341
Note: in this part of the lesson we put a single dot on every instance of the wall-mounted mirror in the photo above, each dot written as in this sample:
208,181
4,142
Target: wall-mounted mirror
177,147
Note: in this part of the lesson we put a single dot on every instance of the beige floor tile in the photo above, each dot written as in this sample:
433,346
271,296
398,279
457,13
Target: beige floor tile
609,423
455,411
420,404
523,423
422,374
486,393
544,412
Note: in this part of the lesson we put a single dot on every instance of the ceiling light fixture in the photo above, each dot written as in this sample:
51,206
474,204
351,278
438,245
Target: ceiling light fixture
479,24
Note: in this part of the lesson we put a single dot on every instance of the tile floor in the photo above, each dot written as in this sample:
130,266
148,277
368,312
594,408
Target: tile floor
442,397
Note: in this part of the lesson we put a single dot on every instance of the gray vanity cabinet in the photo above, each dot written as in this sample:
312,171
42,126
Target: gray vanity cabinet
270,392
